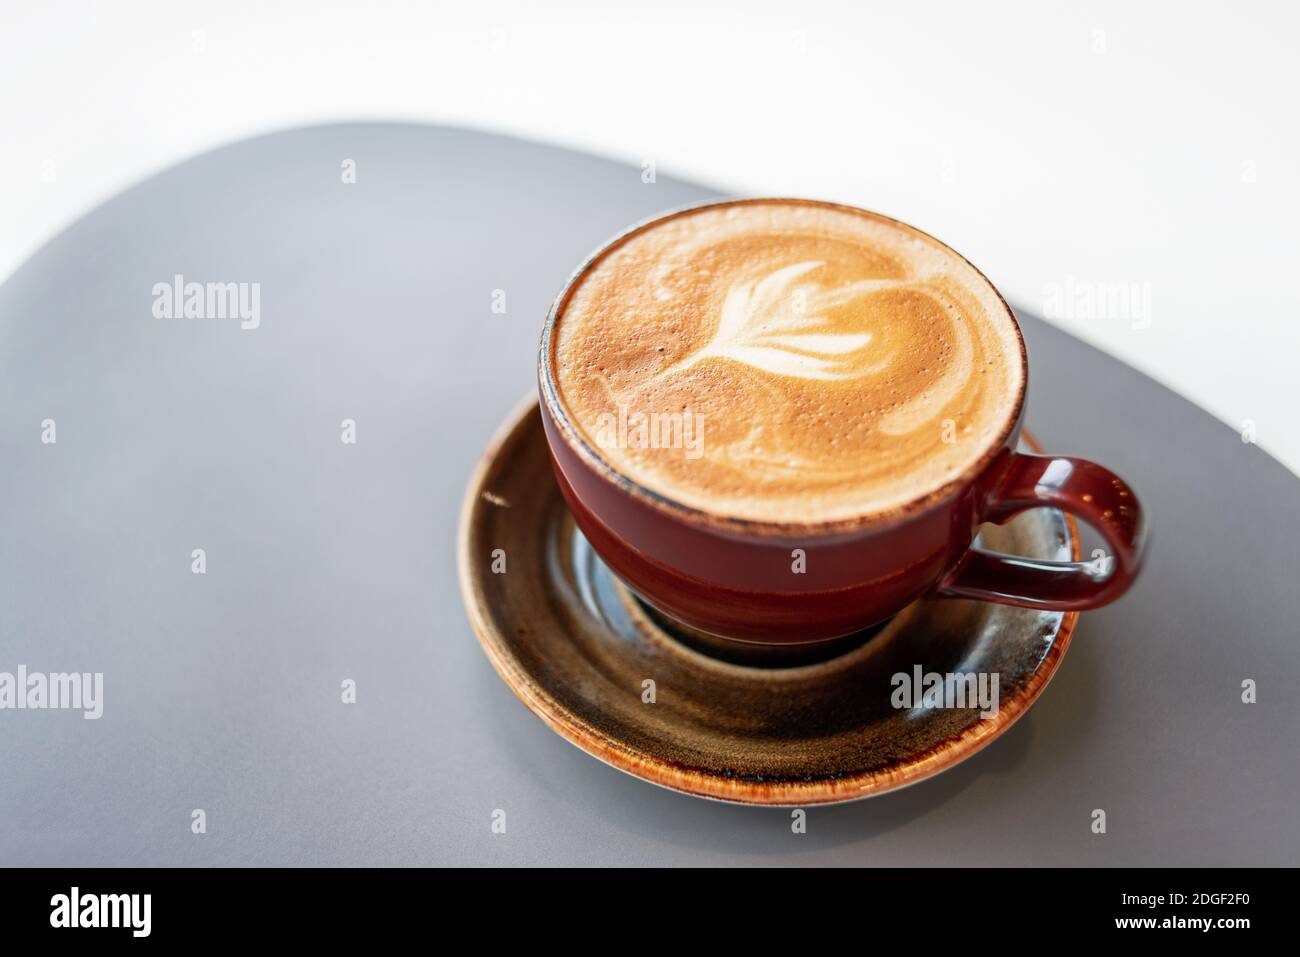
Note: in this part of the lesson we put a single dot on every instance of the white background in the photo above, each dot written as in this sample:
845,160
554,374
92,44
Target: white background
1061,147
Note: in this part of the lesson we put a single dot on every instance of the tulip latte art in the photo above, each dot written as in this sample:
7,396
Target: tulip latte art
835,364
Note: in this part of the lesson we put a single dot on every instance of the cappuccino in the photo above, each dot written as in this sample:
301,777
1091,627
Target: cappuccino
843,365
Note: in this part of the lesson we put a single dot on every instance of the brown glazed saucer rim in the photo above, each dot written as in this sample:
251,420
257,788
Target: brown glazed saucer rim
673,776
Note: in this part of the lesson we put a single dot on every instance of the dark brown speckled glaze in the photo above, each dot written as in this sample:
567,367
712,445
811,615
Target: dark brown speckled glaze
576,647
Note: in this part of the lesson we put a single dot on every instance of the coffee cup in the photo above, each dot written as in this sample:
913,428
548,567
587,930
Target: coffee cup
841,399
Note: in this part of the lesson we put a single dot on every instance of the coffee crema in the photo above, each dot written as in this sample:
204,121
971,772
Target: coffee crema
819,363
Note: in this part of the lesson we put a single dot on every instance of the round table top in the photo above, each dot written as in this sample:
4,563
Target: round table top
325,561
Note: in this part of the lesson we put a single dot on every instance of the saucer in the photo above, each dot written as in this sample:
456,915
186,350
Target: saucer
703,717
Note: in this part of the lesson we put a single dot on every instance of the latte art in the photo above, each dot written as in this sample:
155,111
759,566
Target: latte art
846,364
765,323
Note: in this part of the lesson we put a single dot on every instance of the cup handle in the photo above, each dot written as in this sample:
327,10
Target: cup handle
1082,488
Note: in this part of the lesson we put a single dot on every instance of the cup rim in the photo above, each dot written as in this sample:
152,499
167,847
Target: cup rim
747,527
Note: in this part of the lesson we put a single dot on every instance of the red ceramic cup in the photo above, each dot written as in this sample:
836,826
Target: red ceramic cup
732,577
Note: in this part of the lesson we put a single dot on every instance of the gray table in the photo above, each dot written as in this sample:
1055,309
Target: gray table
328,561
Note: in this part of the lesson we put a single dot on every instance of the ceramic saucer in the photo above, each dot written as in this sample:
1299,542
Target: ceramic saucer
701,717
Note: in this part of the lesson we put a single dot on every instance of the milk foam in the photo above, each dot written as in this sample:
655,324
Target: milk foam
842,364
